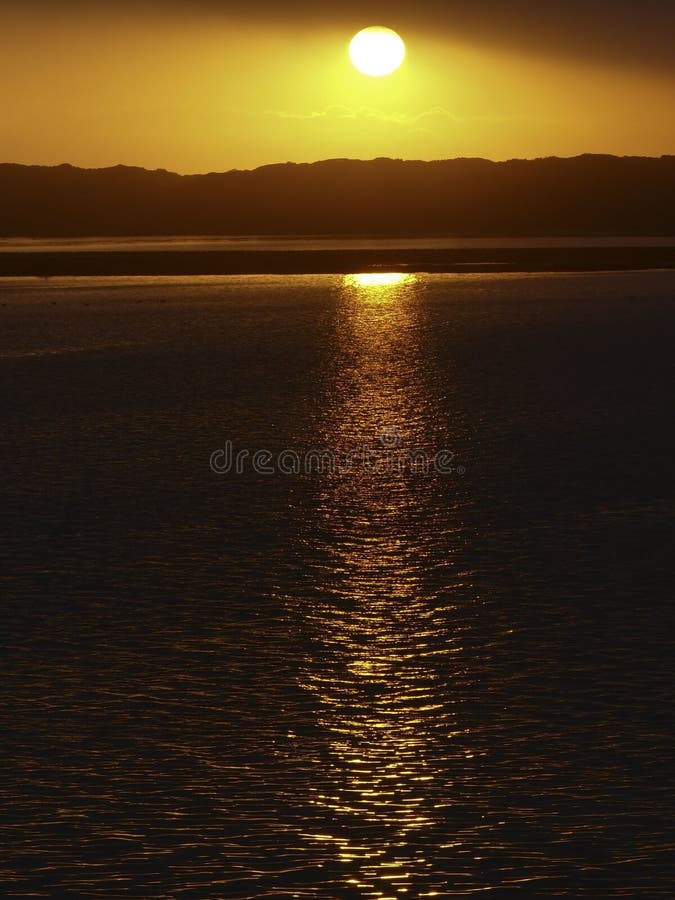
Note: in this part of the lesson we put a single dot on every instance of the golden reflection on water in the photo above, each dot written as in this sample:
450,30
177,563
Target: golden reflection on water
372,671
378,280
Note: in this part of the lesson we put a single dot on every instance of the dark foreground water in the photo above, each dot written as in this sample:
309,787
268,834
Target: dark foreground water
376,682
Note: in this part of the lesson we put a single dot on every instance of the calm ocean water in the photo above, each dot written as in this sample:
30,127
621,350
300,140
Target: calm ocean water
236,243
370,681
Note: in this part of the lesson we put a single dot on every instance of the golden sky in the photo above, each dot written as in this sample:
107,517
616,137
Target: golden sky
214,90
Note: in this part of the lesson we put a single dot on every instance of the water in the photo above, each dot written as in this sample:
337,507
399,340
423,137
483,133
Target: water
253,243
374,683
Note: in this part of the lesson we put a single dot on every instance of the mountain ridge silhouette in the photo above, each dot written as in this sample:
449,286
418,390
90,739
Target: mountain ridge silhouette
581,195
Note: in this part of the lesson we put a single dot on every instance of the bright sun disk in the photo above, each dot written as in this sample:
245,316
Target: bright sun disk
377,51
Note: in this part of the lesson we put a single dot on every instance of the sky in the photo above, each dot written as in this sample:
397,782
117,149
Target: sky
201,85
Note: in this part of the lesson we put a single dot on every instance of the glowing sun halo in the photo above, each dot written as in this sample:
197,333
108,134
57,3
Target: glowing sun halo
377,51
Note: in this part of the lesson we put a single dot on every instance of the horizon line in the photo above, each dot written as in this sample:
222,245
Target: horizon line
337,159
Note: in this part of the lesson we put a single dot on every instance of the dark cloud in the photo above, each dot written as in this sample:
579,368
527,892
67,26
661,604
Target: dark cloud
625,32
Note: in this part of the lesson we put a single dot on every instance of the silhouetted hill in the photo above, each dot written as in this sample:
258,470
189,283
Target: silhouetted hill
587,194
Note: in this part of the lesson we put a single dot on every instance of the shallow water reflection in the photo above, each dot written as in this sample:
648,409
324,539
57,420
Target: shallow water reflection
377,632
363,683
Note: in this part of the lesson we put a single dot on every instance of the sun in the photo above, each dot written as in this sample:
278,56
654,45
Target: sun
377,51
